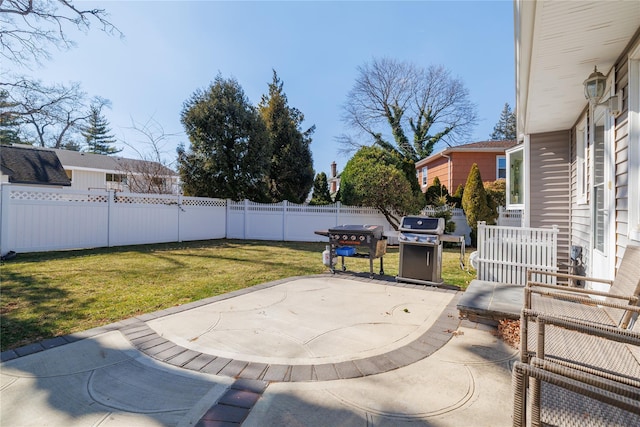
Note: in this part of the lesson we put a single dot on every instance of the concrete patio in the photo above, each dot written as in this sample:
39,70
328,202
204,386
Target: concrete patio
309,351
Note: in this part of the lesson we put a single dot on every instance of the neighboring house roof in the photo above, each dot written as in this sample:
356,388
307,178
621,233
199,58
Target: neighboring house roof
77,159
24,165
473,147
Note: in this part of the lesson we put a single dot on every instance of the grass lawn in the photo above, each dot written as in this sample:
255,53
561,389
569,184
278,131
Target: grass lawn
43,295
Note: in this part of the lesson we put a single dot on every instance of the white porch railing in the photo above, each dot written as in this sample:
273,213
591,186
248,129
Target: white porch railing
506,253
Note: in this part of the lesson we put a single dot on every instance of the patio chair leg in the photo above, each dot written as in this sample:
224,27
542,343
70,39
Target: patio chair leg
534,386
519,396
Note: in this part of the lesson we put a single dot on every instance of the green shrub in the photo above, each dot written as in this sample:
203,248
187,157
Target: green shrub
474,202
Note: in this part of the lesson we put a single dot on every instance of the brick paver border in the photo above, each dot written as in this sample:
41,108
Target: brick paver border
146,340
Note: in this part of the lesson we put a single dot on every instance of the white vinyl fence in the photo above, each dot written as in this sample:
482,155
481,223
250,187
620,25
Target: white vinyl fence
291,222
459,219
509,218
35,219
506,253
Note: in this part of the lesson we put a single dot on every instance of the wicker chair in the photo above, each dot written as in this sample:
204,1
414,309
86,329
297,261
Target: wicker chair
580,362
566,387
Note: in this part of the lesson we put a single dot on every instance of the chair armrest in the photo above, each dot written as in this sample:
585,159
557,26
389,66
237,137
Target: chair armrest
616,395
617,339
631,391
579,296
565,276
613,333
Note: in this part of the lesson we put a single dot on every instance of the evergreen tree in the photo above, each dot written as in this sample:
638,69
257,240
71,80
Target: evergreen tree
436,194
291,172
474,202
230,150
96,134
9,124
456,199
506,127
321,194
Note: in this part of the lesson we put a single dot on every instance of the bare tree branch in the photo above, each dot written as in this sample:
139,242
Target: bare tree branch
151,173
30,29
404,99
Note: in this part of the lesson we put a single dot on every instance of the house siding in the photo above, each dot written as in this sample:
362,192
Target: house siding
460,166
462,162
580,212
85,180
550,196
622,159
437,168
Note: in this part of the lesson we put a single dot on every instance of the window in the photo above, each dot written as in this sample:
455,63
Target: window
501,167
581,162
116,177
515,178
425,177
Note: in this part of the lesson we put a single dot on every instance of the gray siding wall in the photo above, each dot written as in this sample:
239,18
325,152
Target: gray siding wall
550,177
622,158
580,211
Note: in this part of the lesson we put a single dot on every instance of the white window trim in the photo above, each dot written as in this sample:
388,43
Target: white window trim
498,166
582,145
425,176
634,144
521,205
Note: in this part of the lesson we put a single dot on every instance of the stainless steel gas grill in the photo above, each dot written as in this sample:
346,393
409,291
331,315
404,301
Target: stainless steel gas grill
420,250
351,240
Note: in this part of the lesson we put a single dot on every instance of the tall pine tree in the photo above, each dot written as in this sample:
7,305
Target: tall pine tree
291,173
506,127
96,134
230,150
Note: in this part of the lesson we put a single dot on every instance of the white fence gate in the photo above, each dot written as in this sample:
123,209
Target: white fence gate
506,253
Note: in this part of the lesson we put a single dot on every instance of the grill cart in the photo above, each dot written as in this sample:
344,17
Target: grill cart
361,241
420,249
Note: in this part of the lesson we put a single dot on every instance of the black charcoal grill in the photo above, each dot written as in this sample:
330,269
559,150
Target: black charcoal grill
420,250
363,241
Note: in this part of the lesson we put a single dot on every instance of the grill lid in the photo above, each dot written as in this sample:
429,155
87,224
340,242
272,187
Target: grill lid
366,229
349,230
422,224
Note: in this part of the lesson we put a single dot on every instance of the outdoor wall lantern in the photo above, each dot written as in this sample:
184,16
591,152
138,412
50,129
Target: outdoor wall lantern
594,90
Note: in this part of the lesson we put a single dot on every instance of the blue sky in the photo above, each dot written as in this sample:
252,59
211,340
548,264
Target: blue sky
172,48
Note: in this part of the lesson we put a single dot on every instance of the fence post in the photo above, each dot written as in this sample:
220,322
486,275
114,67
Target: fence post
338,212
110,206
482,250
245,219
285,203
179,215
227,218
5,208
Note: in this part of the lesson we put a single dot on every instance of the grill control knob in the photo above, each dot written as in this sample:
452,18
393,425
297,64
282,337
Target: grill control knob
344,237
362,238
353,237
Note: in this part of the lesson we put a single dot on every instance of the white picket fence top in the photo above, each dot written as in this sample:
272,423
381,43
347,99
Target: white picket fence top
506,253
